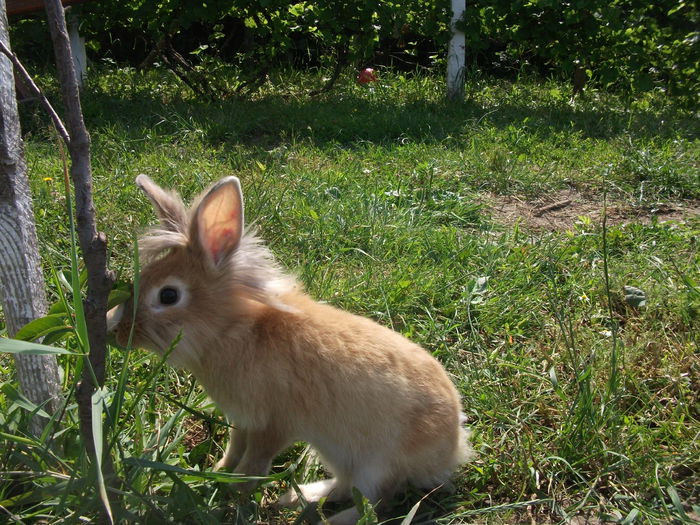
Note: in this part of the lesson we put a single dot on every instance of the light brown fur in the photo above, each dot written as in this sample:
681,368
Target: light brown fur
379,409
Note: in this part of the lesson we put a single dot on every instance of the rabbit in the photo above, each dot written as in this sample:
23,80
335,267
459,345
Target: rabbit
379,410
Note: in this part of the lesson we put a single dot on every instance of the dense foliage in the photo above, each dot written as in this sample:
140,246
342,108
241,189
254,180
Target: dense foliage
627,44
633,46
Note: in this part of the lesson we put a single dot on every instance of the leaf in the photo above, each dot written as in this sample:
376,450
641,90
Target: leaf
411,514
21,401
631,517
553,378
20,439
221,477
676,8
74,285
118,296
676,502
480,286
358,499
479,290
368,515
13,346
58,307
41,327
635,297
56,335
98,402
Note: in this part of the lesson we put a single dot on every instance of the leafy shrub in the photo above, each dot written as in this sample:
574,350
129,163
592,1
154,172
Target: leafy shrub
632,46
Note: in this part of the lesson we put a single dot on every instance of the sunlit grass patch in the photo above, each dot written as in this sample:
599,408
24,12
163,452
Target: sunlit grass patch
582,403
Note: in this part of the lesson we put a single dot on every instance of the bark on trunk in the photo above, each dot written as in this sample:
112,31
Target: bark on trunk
21,278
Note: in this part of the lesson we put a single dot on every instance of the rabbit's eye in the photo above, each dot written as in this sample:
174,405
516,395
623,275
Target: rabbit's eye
169,296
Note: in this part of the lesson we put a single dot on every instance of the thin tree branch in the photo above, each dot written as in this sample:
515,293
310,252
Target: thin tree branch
153,54
179,74
340,63
93,244
37,92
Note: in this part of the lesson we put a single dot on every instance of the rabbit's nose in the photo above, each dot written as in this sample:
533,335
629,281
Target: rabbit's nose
114,317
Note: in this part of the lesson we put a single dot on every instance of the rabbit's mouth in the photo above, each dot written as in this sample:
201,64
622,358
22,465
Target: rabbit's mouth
122,334
114,319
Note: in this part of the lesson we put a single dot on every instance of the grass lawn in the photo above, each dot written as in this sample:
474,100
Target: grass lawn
475,229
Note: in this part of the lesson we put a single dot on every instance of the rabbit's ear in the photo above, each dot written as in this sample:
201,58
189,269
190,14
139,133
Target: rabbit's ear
168,205
217,225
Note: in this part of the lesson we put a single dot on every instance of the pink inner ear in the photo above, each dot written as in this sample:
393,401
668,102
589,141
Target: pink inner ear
220,220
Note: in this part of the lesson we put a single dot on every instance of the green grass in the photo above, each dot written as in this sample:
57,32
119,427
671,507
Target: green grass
581,404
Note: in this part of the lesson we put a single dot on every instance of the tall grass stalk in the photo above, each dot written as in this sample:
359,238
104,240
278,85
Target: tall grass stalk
613,380
81,331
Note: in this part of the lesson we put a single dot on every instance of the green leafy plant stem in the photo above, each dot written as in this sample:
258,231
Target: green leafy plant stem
81,331
613,381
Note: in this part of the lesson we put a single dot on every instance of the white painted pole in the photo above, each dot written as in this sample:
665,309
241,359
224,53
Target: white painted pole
77,46
456,54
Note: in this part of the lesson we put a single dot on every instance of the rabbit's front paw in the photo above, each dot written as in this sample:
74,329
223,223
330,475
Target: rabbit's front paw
223,464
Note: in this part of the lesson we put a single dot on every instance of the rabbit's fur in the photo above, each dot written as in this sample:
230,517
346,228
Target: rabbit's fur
379,409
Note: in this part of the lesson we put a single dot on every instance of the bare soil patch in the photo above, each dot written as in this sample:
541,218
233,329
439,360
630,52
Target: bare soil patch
559,211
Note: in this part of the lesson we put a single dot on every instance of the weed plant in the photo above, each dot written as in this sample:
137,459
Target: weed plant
583,401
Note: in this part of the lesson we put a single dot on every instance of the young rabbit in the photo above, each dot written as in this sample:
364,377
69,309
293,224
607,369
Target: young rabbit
379,409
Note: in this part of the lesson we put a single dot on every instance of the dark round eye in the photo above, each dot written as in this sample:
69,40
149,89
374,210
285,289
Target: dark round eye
169,295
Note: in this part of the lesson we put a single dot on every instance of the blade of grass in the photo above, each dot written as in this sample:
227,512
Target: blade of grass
613,380
20,400
221,477
80,323
81,332
499,508
15,346
118,401
98,401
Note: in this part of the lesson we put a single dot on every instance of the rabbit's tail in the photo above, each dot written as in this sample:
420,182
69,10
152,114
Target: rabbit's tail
439,465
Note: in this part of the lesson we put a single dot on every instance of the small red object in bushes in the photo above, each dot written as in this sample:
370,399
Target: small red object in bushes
366,75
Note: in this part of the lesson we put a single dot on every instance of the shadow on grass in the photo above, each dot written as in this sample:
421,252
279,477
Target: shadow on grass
350,116
426,508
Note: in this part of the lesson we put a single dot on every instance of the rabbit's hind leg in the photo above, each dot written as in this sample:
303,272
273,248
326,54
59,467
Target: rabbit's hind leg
331,489
375,484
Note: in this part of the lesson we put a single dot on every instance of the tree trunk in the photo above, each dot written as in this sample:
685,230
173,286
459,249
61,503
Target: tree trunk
21,278
93,244
456,54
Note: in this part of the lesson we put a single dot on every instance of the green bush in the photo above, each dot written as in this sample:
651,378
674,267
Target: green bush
630,46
